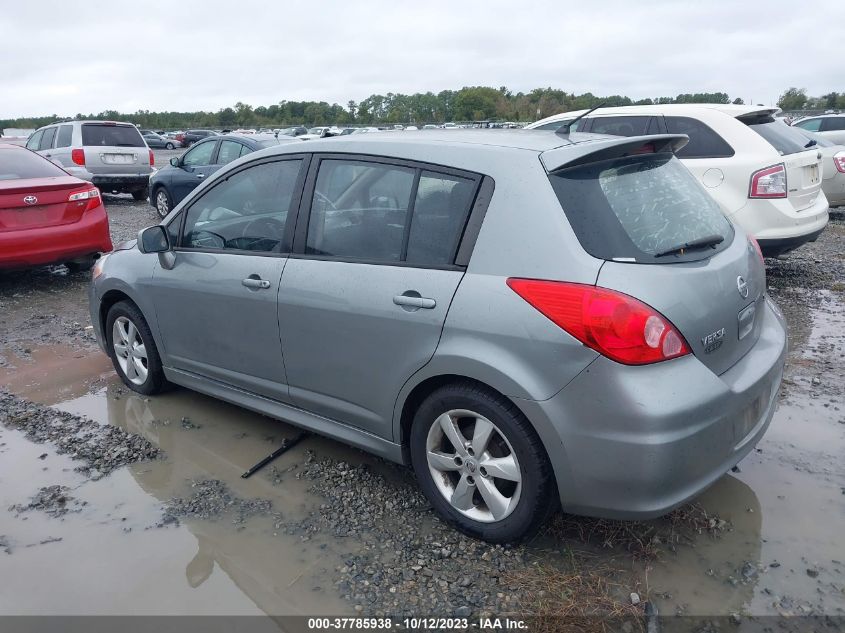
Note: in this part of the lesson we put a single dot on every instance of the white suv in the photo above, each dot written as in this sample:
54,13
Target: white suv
763,173
113,156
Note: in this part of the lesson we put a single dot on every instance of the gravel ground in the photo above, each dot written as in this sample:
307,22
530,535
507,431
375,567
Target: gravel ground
100,448
212,500
54,501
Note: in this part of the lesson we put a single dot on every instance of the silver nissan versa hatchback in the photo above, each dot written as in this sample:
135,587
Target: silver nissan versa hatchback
524,317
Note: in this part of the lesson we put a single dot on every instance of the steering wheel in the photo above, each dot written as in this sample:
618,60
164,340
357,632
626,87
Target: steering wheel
264,227
324,198
207,239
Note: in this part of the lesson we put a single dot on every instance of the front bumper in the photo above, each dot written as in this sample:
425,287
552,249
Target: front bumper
56,244
637,442
94,311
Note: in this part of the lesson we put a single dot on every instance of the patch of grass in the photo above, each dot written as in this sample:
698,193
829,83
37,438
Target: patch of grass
642,539
581,597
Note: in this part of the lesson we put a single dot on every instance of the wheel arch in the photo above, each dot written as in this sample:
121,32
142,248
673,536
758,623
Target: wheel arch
413,395
119,293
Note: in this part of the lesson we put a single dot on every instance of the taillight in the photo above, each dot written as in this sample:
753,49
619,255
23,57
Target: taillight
839,161
768,183
756,246
614,324
648,148
152,159
89,197
78,156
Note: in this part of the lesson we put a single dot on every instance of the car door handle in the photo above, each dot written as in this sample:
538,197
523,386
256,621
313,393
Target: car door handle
200,175
256,283
414,301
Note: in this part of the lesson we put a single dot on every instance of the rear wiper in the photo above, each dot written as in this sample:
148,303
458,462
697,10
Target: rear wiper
702,242
810,143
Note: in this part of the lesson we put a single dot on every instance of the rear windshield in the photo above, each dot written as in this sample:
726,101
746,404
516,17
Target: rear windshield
103,134
21,163
779,135
637,207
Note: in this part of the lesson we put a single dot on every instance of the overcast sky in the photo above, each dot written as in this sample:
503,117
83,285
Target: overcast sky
87,56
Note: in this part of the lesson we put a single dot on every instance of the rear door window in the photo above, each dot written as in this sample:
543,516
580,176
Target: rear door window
65,136
782,137
441,208
621,125
703,141
634,208
834,123
229,151
47,139
108,135
359,210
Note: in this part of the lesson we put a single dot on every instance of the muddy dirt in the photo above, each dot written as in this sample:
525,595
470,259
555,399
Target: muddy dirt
330,530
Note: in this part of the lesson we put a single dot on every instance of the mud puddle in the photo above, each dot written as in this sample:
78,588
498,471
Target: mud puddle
117,538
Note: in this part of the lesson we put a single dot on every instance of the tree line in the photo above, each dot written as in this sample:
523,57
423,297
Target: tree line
470,103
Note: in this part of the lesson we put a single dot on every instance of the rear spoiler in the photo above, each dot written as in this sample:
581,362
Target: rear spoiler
610,147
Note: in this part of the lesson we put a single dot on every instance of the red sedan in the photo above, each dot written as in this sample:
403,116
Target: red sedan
46,215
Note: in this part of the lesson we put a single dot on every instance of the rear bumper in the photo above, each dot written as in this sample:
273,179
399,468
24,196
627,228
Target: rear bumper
834,189
780,246
773,222
637,442
121,182
56,244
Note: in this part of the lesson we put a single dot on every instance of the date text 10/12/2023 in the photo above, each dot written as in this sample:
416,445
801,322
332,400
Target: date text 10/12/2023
415,624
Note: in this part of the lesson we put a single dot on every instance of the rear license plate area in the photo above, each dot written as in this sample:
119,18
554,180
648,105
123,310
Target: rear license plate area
117,159
745,321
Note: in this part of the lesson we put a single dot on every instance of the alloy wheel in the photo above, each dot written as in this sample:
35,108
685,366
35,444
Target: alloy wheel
162,203
473,465
130,351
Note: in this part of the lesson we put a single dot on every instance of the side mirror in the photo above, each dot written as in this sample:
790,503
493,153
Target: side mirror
174,161
153,239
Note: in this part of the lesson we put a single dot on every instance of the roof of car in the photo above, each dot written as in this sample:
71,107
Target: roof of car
538,141
689,109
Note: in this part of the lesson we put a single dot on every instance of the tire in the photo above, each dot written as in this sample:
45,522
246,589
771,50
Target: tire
142,194
130,365
80,266
520,507
169,146
162,201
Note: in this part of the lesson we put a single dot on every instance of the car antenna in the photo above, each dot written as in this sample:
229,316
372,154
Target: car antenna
563,130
